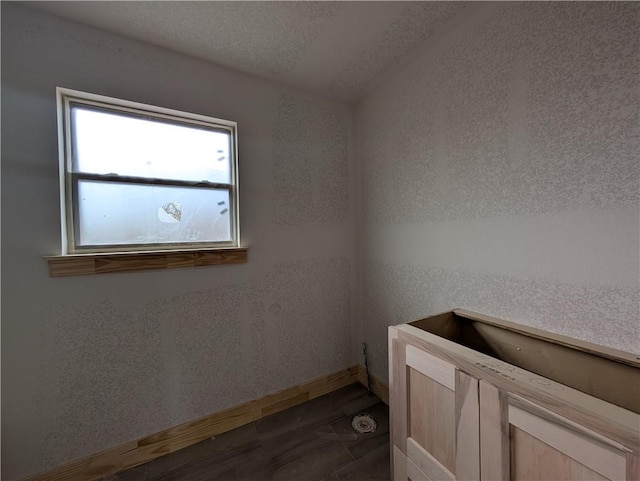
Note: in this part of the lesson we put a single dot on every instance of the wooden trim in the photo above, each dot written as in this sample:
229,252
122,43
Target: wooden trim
148,448
404,469
414,473
86,264
392,334
398,396
633,466
427,463
539,411
398,464
467,427
432,367
494,434
602,459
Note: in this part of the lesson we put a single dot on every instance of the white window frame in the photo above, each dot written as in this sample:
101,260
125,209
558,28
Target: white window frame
69,178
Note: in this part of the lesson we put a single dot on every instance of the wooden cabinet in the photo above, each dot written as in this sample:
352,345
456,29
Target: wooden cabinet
435,414
474,397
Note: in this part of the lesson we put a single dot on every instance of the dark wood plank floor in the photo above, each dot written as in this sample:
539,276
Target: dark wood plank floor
310,442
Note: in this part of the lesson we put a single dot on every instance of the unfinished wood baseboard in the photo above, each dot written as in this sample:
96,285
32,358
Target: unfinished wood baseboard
148,448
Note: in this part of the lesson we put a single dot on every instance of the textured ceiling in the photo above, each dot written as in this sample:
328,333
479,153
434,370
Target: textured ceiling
333,48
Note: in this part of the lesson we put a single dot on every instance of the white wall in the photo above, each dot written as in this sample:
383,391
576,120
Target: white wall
499,173
91,362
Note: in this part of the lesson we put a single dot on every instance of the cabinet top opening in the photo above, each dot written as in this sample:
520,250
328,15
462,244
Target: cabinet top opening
608,374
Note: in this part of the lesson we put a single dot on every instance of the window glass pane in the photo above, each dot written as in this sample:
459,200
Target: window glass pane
107,142
118,213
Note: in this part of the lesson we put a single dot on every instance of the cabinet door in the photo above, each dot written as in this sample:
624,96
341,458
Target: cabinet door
434,415
522,441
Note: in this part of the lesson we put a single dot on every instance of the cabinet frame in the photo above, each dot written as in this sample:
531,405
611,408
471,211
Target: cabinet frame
510,403
466,435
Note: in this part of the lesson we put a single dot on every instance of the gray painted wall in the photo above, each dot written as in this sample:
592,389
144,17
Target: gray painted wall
499,172
91,362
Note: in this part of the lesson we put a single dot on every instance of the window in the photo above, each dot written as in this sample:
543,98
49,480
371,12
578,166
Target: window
140,178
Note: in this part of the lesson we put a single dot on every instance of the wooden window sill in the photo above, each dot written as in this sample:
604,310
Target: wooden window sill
103,263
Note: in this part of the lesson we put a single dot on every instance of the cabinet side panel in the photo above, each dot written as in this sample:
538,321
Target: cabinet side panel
533,460
432,417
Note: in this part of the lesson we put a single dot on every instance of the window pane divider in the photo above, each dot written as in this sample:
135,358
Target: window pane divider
127,179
